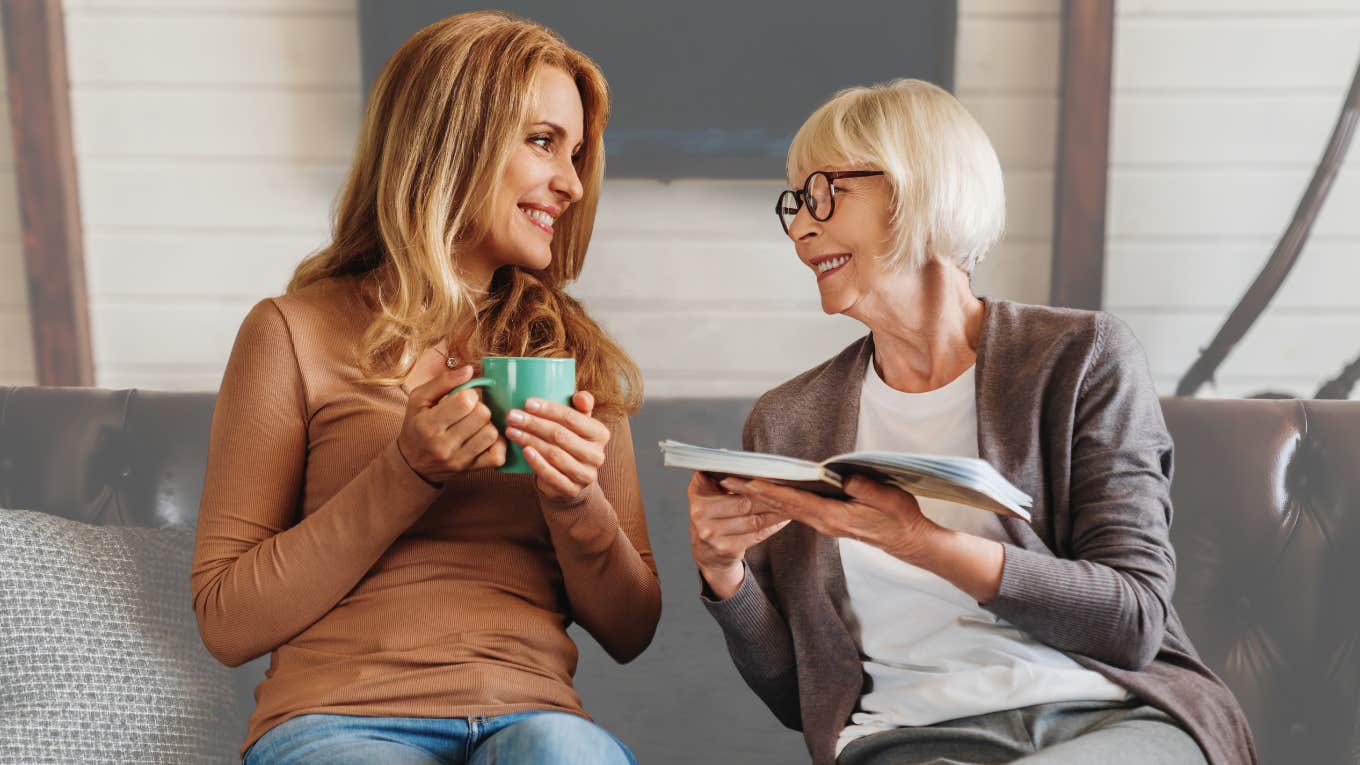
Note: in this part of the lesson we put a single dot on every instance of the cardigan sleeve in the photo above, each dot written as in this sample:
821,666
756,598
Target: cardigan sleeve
756,633
1110,600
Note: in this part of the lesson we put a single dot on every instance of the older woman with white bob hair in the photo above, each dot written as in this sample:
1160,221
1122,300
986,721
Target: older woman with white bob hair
891,629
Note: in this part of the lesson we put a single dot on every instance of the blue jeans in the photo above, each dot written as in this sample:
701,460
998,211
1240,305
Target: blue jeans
546,738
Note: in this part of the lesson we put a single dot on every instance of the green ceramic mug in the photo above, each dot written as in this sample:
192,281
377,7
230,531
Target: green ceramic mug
510,381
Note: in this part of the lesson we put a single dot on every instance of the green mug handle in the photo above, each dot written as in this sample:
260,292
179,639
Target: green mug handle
479,382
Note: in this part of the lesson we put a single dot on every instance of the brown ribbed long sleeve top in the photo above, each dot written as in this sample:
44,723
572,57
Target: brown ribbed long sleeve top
377,593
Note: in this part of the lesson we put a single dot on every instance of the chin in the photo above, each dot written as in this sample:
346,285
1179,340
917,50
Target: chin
538,262
833,304
530,260
832,309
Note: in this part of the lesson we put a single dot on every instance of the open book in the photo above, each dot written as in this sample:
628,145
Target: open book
963,480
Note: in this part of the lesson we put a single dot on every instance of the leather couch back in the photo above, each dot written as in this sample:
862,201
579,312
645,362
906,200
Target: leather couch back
1267,527
1267,538
125,457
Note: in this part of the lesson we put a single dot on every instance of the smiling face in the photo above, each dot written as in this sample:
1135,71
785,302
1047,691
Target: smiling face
844,253
539,183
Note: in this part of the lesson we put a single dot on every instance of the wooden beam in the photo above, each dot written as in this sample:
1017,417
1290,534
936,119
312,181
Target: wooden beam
49,208
1083,154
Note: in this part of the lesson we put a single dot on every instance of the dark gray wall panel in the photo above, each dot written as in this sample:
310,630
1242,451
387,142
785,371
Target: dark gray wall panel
706,88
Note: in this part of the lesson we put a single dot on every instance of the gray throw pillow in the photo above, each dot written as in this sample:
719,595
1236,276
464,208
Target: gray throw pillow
100,658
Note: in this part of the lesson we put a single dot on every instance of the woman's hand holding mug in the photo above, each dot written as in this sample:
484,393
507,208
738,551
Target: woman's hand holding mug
442,435
564,445
550,425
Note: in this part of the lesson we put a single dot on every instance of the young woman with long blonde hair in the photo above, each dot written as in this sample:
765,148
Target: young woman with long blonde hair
415,602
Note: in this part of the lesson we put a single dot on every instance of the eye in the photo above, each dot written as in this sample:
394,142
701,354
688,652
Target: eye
542,141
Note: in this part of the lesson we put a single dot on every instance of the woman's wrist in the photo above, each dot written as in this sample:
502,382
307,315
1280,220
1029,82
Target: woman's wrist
919,543
416,473
971,563
724,581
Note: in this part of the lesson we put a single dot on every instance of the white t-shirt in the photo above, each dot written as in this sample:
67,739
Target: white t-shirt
930,651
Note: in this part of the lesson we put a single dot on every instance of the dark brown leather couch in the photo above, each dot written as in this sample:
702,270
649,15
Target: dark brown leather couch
1267,533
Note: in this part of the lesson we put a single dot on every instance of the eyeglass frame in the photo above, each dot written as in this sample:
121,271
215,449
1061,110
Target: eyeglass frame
800,195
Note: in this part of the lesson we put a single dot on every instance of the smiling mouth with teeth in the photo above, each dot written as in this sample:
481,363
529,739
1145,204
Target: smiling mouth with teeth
825,267
539,218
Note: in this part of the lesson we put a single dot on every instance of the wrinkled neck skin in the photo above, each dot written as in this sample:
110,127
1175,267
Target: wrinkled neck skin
925,324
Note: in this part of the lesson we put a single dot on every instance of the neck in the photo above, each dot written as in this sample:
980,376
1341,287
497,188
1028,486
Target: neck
476,277
926,326
475,265
476,272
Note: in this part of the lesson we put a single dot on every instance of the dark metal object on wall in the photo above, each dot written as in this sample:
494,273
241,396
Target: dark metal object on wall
49,205
707,88
1286,253
1340,387
1083,154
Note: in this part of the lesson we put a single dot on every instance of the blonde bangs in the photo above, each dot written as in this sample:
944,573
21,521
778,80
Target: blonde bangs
827,139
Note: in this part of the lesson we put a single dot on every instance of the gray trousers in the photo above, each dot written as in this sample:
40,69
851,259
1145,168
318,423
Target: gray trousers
1062,733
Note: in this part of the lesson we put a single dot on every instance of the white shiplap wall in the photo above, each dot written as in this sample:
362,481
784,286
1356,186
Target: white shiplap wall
1007,76
1221,110
212,137
16,340
204,181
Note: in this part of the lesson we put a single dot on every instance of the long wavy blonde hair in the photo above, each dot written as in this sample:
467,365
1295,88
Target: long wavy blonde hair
443,118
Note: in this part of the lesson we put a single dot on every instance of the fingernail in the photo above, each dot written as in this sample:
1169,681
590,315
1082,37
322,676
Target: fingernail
513,433
533,404
517,417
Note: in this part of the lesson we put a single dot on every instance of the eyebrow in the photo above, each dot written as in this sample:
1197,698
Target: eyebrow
560,133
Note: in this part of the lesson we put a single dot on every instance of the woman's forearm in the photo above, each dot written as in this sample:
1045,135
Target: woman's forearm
613,590
971,563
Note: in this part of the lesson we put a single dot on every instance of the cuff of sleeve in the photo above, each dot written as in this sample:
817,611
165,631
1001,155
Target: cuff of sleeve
1024,581
587,520
1034,583
748,614
405,486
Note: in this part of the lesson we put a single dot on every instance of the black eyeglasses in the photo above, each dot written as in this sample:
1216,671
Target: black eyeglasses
818,193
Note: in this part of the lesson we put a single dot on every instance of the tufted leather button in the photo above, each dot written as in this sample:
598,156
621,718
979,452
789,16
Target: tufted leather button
6,464
125,473
1244,603
1298,728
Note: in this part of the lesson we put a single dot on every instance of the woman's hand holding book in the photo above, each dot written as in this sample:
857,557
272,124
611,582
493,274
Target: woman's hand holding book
722,527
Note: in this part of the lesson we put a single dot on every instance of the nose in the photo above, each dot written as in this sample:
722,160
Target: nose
565,183
804,226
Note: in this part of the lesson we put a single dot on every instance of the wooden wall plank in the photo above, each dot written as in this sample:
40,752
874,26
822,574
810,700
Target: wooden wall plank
1083,154
35,53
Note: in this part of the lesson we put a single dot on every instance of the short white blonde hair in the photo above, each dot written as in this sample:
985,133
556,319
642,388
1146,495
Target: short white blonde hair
948,201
